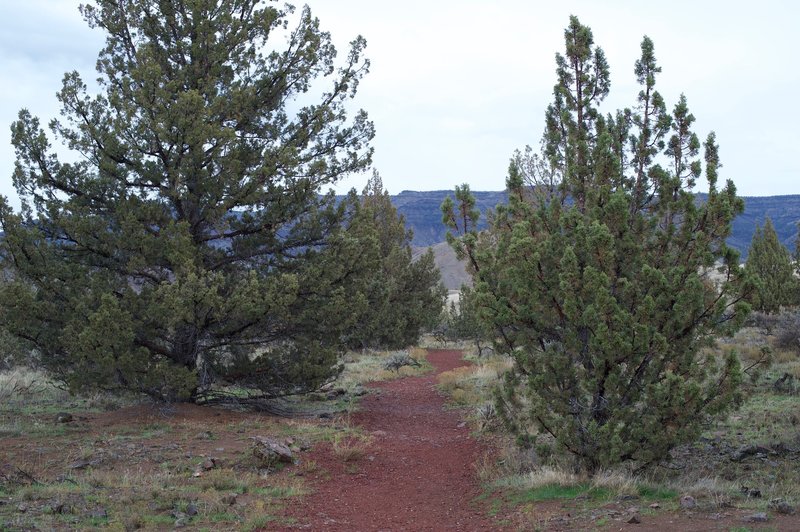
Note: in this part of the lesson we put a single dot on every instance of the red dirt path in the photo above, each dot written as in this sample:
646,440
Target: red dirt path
417,473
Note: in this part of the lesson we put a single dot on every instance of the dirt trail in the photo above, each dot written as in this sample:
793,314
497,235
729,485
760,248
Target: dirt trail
416,475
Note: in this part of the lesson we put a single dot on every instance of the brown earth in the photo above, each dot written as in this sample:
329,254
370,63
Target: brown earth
416,473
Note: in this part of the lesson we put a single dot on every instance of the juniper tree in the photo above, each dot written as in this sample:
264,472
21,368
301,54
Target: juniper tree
770,264
403,296
464,321
597,273
796,254
191,243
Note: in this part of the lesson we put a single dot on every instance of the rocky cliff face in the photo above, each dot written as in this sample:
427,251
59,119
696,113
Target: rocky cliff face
421,210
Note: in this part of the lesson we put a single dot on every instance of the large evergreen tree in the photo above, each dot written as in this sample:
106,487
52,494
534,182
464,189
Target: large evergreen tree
770,264
190,243
597,274
403,295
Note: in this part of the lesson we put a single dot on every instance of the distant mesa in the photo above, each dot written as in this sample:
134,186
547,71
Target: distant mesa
423,216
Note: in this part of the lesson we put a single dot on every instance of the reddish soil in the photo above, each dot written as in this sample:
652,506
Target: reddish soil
416,474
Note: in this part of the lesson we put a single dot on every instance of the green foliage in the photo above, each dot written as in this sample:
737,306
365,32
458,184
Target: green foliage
463,321
403,295
598,275
770,265
796,254
190,244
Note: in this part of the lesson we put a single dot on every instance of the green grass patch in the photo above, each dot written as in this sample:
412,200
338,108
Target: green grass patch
552,492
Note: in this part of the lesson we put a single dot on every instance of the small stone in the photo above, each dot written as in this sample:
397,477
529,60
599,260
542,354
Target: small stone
634,519
759,517
754,493
633,510
205,435
229,499
99,514
22,508
208,465
64,417
781,506
81,464
180,522
688,502
191,509
655,506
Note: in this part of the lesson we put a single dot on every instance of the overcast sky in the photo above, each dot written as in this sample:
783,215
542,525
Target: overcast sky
457,86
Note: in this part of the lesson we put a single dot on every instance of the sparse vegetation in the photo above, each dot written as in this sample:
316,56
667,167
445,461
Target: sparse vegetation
154,466
755,446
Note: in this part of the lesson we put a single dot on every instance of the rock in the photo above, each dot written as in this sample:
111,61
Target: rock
208,464
270,452
82,464
759,517
64,417
633,510
205,435
359,391
634,519
100,513
749,450
229,499
191,509
655,506
180,522
753,493
57,508
22,508
336,393
325,415
688,502
781,506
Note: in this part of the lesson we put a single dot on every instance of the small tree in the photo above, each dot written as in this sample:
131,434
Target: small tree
464,321
597,273
191,243
403,296
769,263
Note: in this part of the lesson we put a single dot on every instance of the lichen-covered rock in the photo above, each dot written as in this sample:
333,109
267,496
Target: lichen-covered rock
271,452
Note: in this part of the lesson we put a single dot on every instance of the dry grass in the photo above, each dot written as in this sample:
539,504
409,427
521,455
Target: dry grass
350,448
472,385
369,366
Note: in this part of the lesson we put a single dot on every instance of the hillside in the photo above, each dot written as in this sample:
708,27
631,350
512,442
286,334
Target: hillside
421,210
